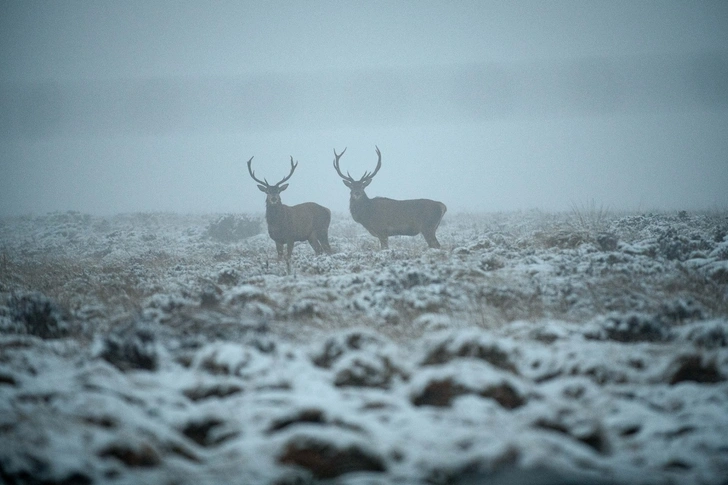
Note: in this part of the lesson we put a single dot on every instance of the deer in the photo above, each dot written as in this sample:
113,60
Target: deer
287,224
384,217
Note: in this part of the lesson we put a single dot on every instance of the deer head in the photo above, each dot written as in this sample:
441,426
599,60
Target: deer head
357,186
273,192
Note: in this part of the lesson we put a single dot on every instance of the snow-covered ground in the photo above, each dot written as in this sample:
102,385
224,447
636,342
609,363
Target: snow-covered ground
583,347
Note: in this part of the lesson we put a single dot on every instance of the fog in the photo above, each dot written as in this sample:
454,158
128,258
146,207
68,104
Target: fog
110,107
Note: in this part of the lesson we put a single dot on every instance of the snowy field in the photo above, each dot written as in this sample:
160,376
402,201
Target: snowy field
535,348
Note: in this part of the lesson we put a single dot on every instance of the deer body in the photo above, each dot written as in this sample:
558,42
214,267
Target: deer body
303,222
287,224
384,217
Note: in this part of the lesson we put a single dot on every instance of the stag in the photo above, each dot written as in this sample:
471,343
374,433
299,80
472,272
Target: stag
384,217
288,224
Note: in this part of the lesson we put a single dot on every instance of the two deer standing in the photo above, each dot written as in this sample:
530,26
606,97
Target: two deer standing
381,216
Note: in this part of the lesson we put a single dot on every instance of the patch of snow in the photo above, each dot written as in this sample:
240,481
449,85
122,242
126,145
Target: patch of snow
532,346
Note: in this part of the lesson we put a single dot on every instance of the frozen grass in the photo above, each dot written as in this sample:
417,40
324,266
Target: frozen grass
494,268
589,217
582,345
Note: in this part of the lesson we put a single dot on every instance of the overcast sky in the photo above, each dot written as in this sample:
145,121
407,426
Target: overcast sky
124,106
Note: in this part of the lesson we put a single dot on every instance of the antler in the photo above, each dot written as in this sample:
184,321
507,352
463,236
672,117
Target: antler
264,181
252,174
369,176
336,166
293,168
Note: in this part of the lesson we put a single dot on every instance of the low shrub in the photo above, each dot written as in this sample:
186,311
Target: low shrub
232,228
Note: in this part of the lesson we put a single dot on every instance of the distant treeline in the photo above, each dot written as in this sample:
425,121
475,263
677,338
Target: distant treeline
280,100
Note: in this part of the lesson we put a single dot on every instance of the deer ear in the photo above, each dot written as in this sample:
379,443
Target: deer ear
366,183
347,183
262,188
282,187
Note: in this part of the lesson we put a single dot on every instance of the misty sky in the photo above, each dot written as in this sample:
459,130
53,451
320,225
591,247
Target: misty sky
122,106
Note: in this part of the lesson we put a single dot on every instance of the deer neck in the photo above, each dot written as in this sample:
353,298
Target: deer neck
274,212
358,208
275,217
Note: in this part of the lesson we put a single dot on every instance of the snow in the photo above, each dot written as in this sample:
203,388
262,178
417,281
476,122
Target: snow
532,348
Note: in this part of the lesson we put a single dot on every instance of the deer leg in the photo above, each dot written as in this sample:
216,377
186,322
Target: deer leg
323,239
430,232
314,244
431,239
279,248
290,250
383,242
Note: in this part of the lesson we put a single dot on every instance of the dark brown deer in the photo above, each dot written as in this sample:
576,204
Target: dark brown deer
384,217
288,224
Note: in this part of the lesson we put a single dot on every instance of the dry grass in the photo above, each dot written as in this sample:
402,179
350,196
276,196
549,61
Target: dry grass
589,217
493,269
